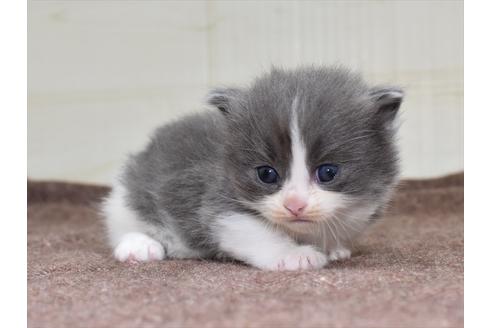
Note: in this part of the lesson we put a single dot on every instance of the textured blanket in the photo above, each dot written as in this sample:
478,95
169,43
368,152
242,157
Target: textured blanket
407,271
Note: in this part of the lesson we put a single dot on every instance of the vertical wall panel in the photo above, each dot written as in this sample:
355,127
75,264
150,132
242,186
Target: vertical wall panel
102,74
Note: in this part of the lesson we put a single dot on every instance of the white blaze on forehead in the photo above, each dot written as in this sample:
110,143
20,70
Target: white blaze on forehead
299,179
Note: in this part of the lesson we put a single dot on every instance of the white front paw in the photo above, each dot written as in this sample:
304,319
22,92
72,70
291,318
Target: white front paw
339,254
136,246
299,258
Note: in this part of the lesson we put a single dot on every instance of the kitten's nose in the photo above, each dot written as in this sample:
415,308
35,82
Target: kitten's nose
295,204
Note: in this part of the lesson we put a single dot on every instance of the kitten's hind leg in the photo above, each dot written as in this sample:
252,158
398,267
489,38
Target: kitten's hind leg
248,239
126,232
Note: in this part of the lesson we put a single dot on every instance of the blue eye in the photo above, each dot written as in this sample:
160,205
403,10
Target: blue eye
267,174
326,172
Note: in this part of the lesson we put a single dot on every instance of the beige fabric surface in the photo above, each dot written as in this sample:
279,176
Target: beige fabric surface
407,271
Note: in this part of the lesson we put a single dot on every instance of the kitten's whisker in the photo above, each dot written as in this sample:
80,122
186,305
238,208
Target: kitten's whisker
351,225
331,231
323,232
336,229
355,222
348,235
342,226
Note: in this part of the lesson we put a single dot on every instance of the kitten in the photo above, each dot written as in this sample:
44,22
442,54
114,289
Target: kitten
283,176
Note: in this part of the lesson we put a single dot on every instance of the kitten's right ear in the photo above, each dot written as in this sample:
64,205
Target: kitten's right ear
222,98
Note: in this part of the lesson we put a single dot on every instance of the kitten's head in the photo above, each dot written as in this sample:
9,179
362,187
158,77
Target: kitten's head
310,145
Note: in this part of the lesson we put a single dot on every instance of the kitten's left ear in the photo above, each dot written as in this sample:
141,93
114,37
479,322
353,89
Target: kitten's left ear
223,98
387,101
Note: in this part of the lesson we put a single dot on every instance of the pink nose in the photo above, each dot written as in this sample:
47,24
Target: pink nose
295,205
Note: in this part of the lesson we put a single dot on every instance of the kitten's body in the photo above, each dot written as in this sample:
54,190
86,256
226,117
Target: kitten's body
194,191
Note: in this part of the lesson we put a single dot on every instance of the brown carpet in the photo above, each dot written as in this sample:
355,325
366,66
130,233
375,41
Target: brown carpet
407,272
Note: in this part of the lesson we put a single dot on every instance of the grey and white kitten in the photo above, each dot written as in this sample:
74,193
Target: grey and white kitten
282,175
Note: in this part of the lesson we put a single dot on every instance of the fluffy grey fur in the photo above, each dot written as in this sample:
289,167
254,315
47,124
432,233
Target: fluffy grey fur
195,169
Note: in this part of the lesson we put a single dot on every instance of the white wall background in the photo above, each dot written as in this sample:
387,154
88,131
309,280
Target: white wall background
103,74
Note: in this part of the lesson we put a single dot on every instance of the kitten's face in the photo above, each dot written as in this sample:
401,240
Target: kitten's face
310,146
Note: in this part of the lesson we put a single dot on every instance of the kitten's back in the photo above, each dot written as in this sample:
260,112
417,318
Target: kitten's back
174,170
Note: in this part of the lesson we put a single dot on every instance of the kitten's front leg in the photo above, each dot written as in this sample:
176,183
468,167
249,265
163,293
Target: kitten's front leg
246,238
339,253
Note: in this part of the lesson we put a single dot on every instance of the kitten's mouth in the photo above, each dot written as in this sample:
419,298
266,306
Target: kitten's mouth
300,221
298,224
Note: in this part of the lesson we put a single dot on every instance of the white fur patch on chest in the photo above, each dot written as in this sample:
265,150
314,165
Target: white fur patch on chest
257,243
